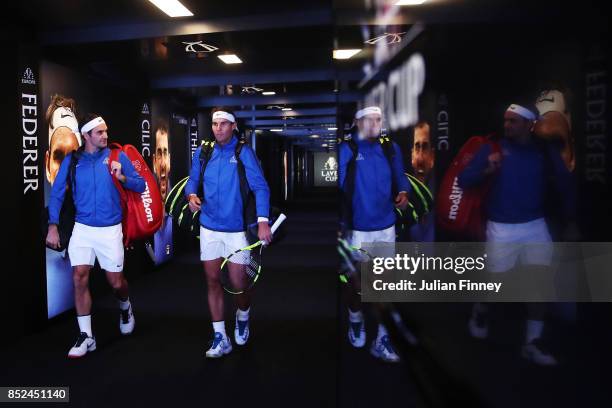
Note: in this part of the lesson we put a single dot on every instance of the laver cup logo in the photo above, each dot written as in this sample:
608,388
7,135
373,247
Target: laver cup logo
330,170
28,77
326,169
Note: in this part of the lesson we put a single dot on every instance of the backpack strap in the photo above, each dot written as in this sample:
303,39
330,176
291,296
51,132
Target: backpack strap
74,160
389,152
205,155
245,190
115,151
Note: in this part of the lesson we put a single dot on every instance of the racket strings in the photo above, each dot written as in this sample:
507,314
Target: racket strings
252,268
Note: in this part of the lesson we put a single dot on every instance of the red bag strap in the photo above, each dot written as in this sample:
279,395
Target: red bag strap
115,150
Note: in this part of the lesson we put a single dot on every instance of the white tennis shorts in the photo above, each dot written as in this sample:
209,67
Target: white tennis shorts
217,244
381,237
105,243
529,242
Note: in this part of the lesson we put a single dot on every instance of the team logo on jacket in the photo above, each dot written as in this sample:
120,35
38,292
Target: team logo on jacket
105,160
233,159
360,157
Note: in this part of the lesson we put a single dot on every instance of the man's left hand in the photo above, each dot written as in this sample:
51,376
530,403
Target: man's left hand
264,233
401,201
116,171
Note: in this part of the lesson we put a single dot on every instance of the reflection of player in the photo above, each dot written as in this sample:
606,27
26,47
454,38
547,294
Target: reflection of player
516,229
555,124
64,135
422,152
161,160
368,179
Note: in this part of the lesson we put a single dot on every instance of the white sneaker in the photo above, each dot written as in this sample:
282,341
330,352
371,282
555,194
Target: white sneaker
220,346
357,334
241,331
382,348
126,321
538,354
83,345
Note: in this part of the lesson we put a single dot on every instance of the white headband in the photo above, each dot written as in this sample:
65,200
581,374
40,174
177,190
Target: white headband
64,117
524,112
368,111
224,115
92,124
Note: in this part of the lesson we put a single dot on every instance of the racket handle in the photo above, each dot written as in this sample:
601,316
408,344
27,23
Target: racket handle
278,222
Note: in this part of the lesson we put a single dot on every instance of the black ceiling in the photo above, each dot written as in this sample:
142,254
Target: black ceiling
285,46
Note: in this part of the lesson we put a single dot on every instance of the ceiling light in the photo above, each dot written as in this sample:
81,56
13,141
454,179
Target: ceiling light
287,109
173,8
409,2
276,130
314,136
268,93
332,128
324,145
345,54
230,59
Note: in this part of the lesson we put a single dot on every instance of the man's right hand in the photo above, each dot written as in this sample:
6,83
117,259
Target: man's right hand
53,239
494,163
194,203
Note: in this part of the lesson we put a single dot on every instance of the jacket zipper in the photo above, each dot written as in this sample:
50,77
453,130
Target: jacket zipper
94,189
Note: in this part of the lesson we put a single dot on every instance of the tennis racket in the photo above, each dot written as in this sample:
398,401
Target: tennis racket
241,269
350,259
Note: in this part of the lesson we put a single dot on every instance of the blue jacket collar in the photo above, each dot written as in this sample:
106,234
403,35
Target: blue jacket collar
231,145
97,154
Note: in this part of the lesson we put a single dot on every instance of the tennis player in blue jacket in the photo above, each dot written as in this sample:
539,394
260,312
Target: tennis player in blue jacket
97,230
373,203
222,229
517,232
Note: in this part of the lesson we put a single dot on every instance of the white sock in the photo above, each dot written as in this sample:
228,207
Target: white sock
382,331
219,327
124,305
243,315
355,317
534,330
85,324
